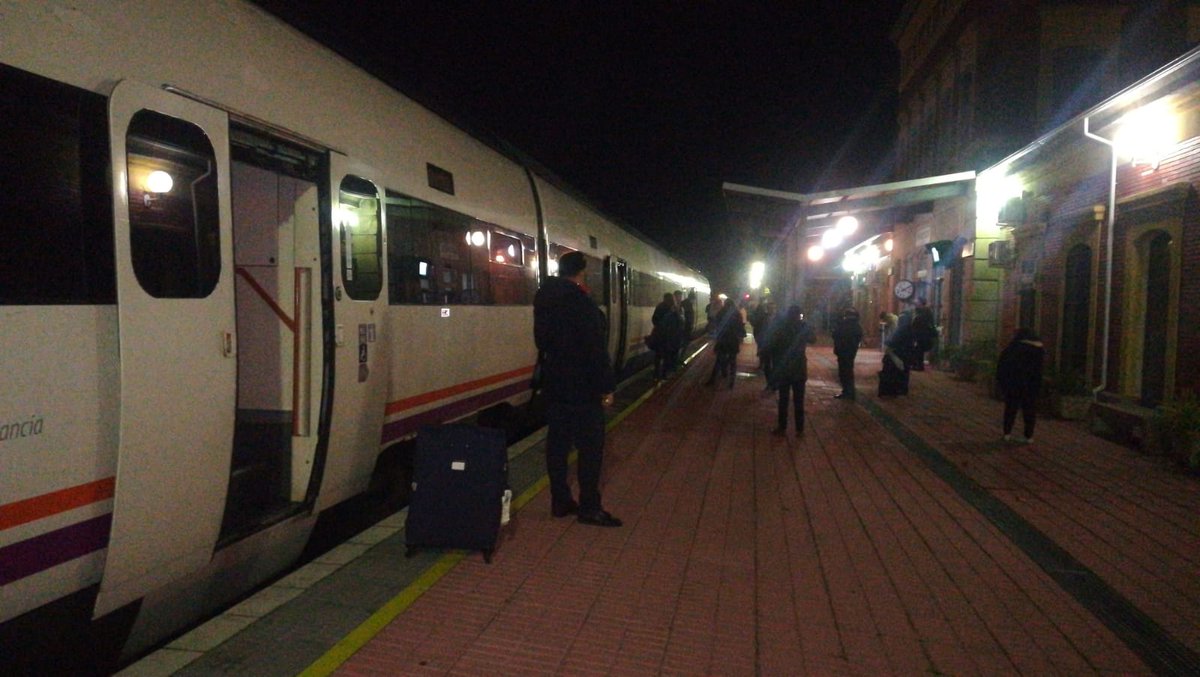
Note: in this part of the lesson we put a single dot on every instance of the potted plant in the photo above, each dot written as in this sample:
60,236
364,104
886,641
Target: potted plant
1176,425
972,359
1069,395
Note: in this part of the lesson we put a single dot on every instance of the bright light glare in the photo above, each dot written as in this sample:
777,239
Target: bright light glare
552,266
887,246
847,225
850,263
476,238
159,182
512,252
757,270
816,253
1147,135
499,258
830,239
347,216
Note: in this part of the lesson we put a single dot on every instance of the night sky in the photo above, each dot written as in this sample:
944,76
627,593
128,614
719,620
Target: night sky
646,108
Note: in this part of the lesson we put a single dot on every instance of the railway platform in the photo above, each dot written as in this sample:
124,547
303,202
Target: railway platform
897,536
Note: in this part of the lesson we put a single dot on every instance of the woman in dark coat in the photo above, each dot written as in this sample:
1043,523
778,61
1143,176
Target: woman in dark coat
790,366
667,336
1019,376
729,332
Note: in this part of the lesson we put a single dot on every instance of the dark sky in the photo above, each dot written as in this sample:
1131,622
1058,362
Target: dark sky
646,107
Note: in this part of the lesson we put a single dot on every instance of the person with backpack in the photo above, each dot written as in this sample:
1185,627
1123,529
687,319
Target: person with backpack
847,335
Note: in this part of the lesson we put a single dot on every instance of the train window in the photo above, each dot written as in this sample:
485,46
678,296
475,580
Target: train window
56,223
439,256
361,237
174,228
593,274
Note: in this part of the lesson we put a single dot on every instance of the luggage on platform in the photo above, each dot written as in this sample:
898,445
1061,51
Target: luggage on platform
460,474
893,380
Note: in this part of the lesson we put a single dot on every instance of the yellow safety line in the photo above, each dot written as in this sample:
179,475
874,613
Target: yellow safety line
350,644
358,637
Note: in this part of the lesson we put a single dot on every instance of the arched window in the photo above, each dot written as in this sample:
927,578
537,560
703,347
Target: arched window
1077,297
1157,306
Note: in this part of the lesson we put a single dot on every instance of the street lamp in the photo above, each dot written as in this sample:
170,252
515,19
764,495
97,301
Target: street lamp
816,253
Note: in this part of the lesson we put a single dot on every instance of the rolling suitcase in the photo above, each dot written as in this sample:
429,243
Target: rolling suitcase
893,379
460,474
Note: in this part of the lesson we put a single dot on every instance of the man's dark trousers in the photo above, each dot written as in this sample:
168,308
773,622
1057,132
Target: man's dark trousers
846,375
581,425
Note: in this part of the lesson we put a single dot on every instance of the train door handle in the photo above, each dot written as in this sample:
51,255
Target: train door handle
339,335
228,344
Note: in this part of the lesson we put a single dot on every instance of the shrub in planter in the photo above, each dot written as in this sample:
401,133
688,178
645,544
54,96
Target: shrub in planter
1176,426
1069,395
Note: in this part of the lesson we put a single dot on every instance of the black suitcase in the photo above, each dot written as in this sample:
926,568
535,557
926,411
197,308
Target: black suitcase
460,473
893,380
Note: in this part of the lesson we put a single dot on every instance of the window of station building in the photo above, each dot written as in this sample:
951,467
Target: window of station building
56,223
174,222
438,256
361,238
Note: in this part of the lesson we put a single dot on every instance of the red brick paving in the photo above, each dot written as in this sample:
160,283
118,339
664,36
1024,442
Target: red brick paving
838,553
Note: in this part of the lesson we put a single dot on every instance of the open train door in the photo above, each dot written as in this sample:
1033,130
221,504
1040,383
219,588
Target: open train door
618,311
175,312
359,304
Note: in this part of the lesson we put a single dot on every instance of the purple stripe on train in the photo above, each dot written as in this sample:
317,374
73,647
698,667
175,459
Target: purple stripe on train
39,553
406,426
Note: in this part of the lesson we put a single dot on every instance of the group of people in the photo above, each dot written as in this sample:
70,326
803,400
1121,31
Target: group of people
674,321
578,380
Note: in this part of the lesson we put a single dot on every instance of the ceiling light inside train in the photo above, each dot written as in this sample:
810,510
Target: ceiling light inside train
499,258
347,216
816,253
830,239
846,226
512,252
476,238
552,266
159,182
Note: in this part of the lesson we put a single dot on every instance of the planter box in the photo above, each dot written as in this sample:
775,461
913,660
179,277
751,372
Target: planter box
1072,407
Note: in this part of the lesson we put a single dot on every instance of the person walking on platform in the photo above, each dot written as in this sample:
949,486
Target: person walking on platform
1019,376
570,332
667,337
924,335
689,315
893,377
729,332
789,374
887,326
847,335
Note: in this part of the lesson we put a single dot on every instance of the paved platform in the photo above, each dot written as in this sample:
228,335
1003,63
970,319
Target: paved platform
896,536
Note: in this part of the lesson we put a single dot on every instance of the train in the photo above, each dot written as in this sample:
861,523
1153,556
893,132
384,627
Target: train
238,273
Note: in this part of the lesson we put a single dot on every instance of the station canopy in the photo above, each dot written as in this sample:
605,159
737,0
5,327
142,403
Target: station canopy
773,214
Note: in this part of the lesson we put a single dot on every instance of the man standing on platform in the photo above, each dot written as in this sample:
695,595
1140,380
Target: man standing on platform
847,335
569,330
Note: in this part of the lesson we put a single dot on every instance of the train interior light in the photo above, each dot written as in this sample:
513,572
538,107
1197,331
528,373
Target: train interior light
159,182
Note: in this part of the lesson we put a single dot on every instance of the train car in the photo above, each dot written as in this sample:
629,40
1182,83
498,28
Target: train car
237,271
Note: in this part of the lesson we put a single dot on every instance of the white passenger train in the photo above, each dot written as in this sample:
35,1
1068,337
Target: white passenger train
235,269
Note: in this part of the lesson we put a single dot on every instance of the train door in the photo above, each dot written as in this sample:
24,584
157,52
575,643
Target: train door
359,303
280,358
618,311
174,253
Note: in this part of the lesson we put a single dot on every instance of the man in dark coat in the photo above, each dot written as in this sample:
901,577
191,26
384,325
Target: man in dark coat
789,374
667,336
570,332
847,335
1019,376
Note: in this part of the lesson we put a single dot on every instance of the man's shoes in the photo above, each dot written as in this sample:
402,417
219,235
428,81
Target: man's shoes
599,518
564,509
